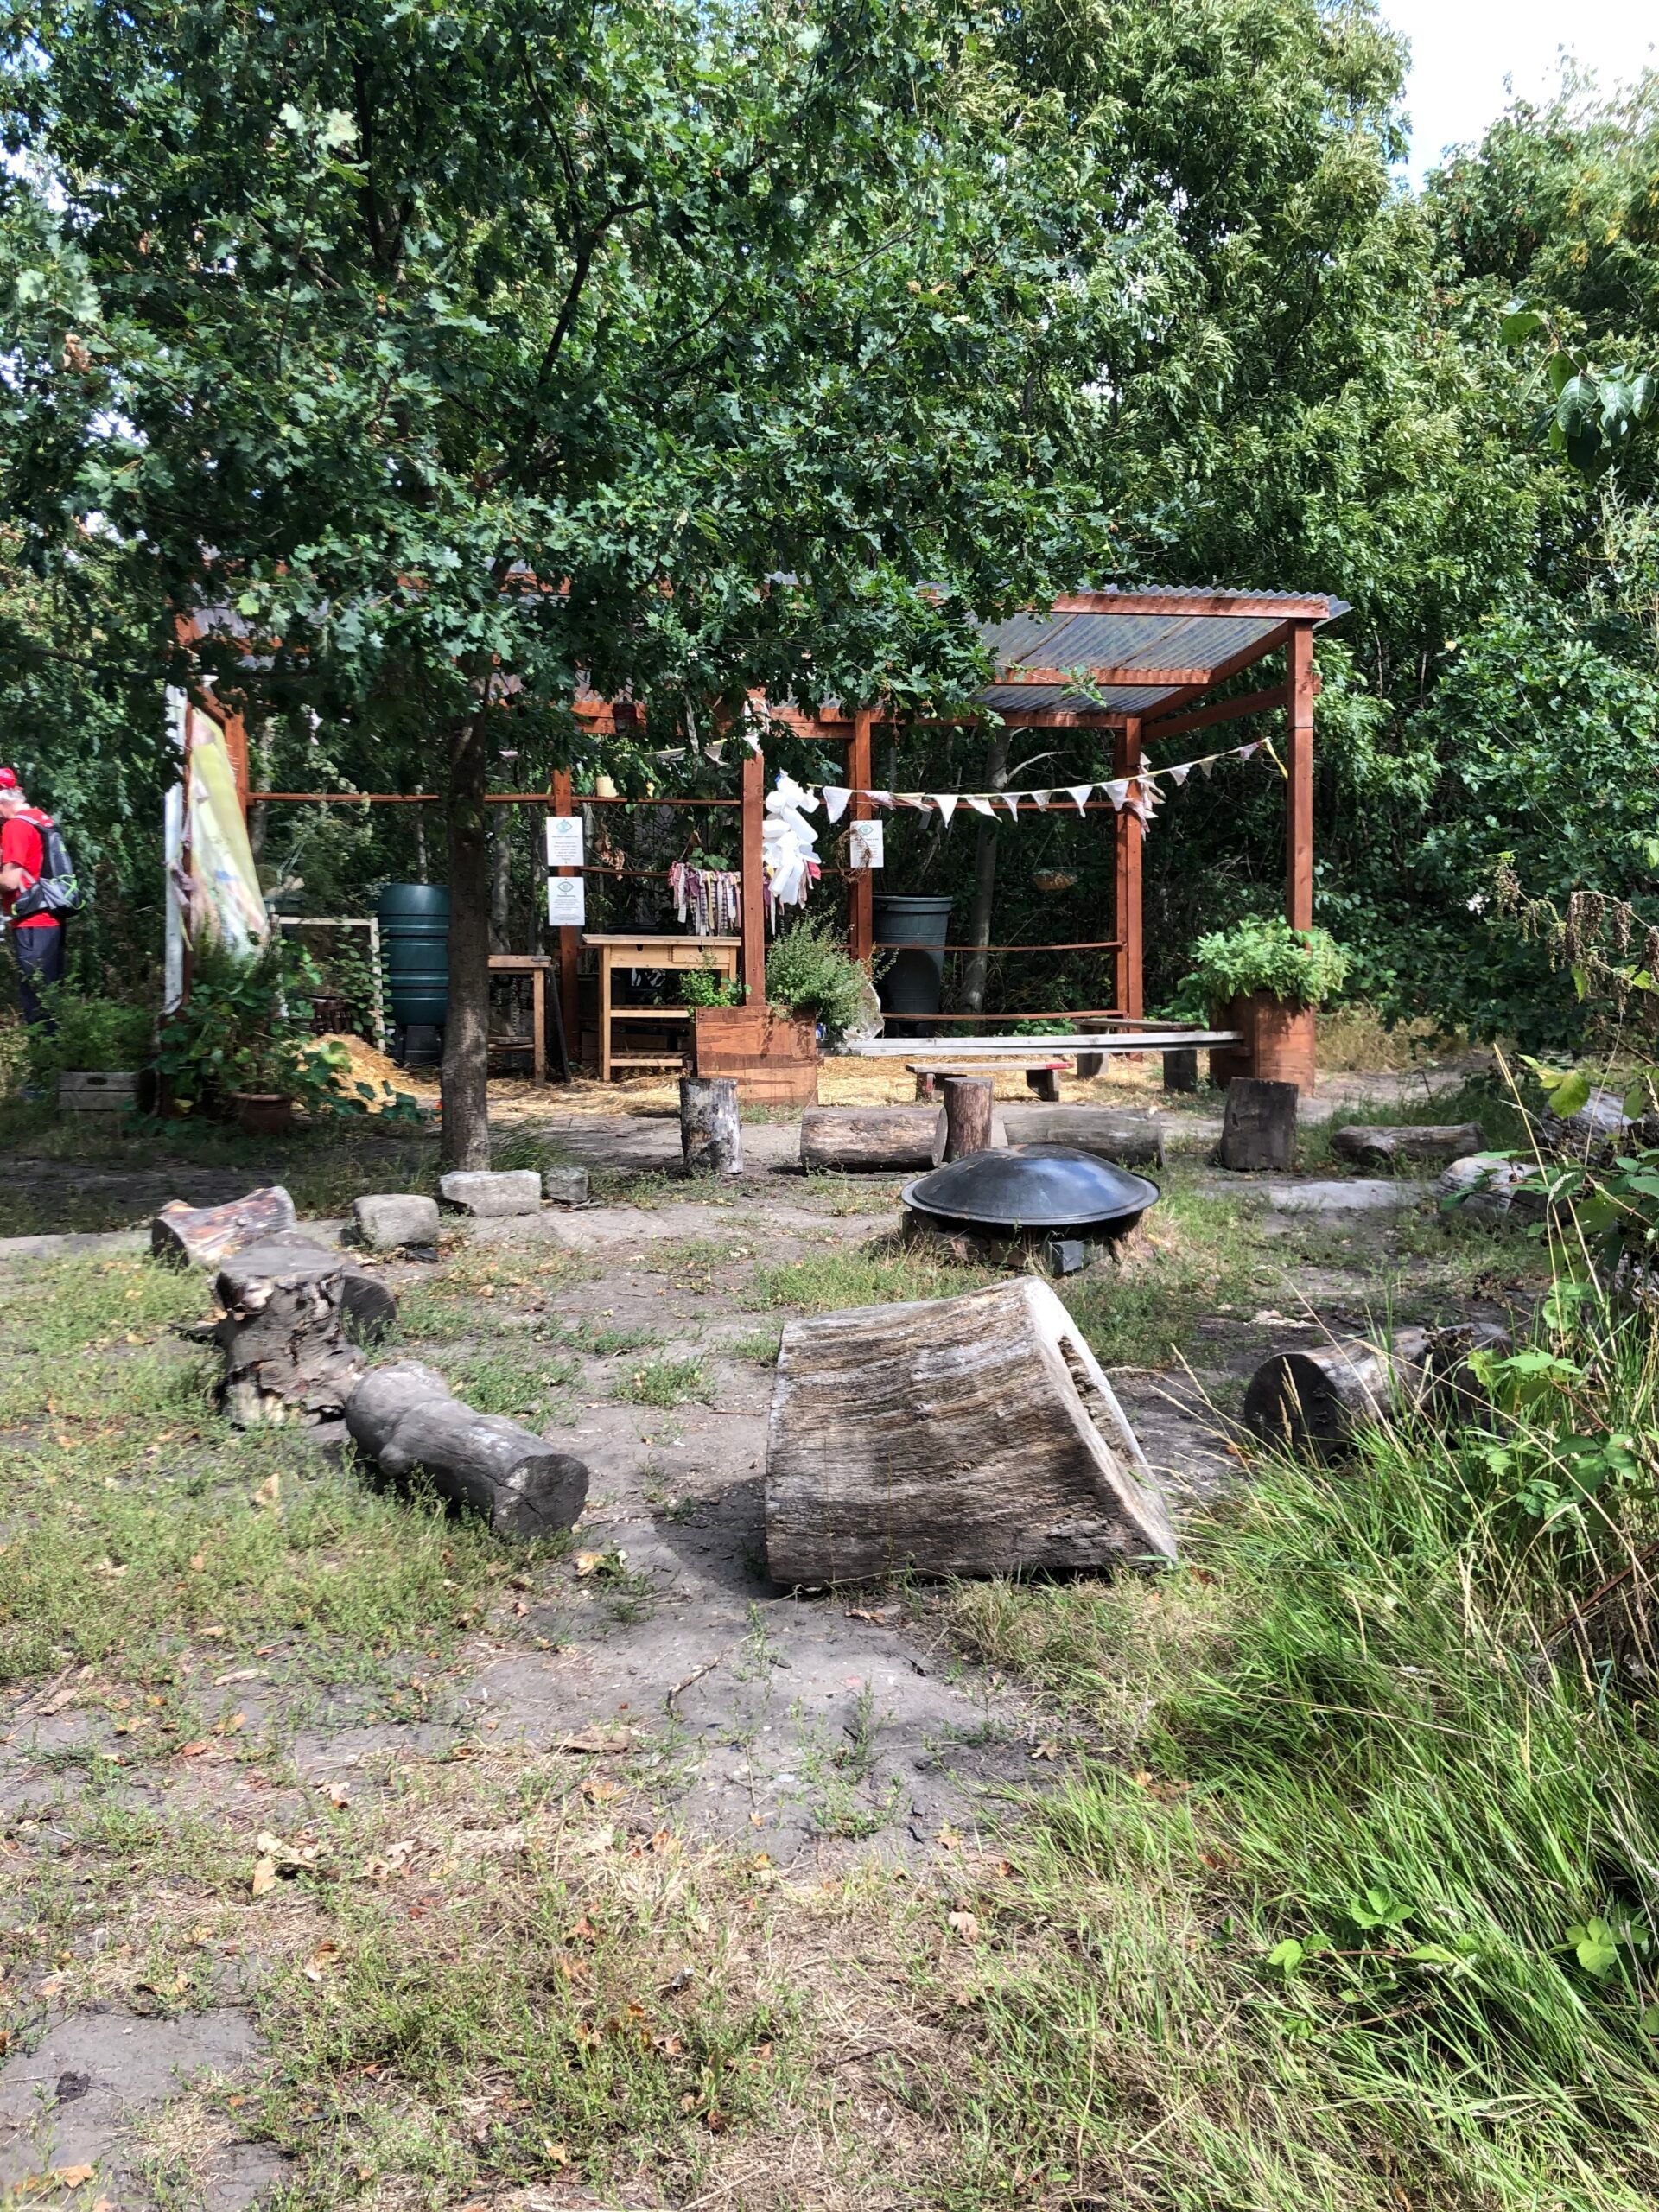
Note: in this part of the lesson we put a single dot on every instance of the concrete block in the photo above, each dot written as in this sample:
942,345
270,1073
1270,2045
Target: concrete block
393,1218
565,1186
488,1194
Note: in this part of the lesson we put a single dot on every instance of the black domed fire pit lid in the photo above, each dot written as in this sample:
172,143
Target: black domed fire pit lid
1032,1186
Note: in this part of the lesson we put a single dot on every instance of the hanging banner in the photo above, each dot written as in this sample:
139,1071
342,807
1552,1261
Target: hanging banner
865,848
567,902
565,841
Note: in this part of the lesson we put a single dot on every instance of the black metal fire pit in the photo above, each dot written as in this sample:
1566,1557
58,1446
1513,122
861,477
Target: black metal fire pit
1048,1201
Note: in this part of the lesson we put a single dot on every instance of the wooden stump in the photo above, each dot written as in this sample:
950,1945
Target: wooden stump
971,1435
1181,1068
405,1417
203,1236
711,1135
868,1139
1314,1400
967,1104
1046,1081
295,1317
1259,1125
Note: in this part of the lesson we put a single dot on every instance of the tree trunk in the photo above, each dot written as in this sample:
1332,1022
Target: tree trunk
711,1136
465,1140
294,1316
404,1418
970,998
1313,1400
968,1106
203,1236
1258,1128
500,883
972,1435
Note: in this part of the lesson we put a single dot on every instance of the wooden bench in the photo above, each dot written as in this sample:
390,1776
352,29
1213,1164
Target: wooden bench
1041,1075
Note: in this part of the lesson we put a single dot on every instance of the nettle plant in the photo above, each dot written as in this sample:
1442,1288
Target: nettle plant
1299,968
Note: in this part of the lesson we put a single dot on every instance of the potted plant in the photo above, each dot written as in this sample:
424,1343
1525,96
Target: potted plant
1265,979
240,1046
96,1055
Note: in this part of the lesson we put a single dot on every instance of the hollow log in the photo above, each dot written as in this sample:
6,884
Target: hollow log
201,1236
1130,1140
1258,1128
969,1103
868,1139
294,1318
971,1435
711,1136
405,1417
1315,1400
1378,1145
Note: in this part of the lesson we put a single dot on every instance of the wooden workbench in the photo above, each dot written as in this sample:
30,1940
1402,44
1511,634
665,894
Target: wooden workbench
717,954
536,966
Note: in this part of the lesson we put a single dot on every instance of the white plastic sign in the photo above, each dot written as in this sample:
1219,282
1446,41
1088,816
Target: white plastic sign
865,849
565,841
567,902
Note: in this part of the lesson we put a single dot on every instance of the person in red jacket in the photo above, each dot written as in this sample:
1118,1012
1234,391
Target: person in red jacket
37,939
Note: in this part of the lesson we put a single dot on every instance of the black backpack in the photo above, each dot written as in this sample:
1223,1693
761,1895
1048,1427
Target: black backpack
57,892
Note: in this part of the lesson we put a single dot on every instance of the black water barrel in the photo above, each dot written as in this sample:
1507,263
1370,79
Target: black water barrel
911,983
414,946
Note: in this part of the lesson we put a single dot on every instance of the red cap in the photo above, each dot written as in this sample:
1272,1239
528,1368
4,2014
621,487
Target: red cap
9,780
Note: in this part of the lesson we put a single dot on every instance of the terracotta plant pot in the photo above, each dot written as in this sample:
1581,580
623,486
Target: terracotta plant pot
1276,1041
263,1113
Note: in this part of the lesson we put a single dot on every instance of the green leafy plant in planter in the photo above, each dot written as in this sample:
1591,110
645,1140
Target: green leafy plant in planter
704,987
1299,968
89,1036
811,973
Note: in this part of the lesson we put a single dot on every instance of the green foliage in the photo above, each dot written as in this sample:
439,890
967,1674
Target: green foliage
703,987
1595,413
809,971
96,1035
1301,968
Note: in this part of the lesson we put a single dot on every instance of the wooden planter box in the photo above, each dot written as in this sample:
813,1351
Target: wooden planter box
774,1060
1278,1041
82,1092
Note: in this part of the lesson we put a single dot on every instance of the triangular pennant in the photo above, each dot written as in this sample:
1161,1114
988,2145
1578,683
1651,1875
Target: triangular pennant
835,797
1011,800
980,805
1118,792
1040,799
946,802
715,751
880,798
1082,793
1178,776
1208,765
1249,752
918,799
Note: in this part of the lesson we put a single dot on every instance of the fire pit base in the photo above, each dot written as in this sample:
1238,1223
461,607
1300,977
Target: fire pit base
1020,1251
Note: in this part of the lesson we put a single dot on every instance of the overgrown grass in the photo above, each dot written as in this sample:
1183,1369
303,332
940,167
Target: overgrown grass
663,1382
1375,1888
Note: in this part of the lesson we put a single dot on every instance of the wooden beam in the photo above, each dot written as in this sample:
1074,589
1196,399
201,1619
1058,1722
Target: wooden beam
751,897
1246,656
1224,710
1299,767
1178,605
1102,679
569,939
860,889
1131,989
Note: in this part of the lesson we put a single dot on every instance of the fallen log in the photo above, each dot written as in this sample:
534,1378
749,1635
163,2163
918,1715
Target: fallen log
971,1435
405,1418
1128,1138
868,1140
201,1236
1314,1400
294,1320
1379,1145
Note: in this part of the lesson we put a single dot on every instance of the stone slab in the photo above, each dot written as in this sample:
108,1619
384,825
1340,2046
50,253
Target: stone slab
490,1193
388,1220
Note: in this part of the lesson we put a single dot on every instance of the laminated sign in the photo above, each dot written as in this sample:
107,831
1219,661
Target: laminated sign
567,902
865,848
565,841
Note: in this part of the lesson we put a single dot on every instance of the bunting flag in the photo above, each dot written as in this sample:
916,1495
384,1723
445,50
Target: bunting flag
1139,793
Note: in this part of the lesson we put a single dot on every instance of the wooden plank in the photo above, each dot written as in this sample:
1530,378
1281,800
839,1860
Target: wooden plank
1002,1048
1298,800
1103,678
752,896
1223,604
1225,710
1127,921
860,890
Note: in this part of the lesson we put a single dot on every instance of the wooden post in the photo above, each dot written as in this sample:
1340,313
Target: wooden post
568,938
1130,993
1258,1128
711,1136
236,748
860,892
753,889
967,1115
1299,767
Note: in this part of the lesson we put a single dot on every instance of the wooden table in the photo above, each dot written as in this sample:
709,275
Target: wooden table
535,965
717,954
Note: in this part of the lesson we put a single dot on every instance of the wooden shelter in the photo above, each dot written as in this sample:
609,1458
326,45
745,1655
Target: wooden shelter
1141,664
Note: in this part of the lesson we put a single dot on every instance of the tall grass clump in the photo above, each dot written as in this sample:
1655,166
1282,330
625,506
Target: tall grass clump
1385,1803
